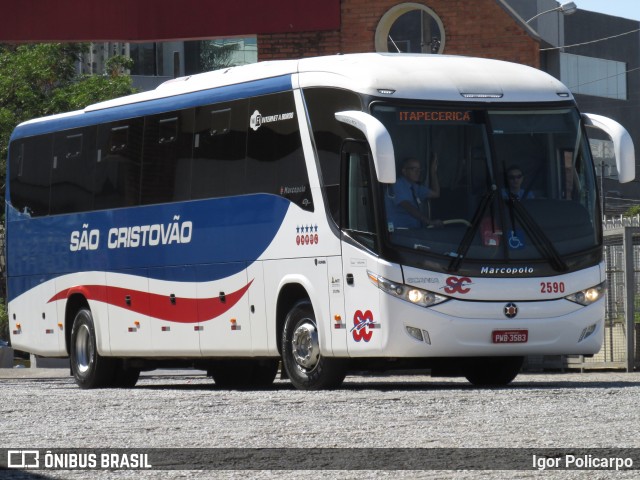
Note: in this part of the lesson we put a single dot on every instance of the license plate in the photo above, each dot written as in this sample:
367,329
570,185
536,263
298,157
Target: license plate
510,336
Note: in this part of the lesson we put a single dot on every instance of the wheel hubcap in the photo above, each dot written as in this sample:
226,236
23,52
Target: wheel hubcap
84,350
306,350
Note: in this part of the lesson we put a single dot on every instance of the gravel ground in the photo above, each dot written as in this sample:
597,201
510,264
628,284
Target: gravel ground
41,408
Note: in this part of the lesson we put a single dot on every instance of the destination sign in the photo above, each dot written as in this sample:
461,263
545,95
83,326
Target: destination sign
439,116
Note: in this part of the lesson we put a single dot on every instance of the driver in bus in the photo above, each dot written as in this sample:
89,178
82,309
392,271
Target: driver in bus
514,181
405,209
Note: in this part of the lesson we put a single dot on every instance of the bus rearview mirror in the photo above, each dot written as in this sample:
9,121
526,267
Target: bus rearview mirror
622,144
379,142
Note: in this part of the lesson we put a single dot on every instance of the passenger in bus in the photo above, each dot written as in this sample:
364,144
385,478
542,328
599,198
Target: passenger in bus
515,178
405,208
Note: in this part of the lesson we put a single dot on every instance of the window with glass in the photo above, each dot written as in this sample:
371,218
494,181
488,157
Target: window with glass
410,28
29,175
166,153
72,170
359,219
118,164
275,160
220,150
328,135
509,184
594,76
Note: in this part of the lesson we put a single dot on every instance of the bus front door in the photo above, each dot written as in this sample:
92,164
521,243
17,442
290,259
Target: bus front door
359,242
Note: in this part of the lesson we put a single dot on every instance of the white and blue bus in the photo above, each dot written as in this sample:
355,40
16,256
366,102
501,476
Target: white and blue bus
235,220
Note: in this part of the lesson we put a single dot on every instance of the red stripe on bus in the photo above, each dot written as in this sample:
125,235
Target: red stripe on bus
162,307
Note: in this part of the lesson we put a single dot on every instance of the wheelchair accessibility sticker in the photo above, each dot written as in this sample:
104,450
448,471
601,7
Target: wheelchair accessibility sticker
515,239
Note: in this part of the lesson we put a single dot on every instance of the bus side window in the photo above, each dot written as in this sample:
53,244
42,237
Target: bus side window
72,171
358,215
119,139
167,148
220,122
275,160
29,182
328,134
167,130
118,163
220,144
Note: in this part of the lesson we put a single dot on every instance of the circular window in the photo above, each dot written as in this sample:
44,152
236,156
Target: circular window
410,28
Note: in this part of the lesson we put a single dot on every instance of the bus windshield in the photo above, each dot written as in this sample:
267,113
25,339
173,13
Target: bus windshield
509,184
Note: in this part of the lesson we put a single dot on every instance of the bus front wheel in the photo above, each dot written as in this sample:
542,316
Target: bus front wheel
306,368
89,368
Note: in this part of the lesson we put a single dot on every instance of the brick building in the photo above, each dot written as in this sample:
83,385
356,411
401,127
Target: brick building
202,35
166,41
482,28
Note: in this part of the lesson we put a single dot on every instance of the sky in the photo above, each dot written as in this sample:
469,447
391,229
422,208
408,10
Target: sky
618,8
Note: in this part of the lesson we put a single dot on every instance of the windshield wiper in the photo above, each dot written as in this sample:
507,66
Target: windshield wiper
540,239
467,240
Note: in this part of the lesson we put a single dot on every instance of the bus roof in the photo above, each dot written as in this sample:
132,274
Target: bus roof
436,77
399,76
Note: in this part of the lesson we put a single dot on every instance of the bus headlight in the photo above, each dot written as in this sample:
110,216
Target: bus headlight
588,296
414,295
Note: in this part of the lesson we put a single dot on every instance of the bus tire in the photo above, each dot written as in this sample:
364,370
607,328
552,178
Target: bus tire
244,373
302,360
492,371
90,369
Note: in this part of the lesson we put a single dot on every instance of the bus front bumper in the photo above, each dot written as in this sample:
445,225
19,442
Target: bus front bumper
457,328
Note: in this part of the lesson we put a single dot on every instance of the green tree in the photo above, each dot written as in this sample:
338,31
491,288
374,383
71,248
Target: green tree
118,65
43,79
215,55
632,211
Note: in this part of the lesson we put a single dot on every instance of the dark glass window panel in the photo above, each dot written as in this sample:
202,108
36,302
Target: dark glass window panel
329,134
275,160
72,171
220,150
30,174
118,164
167,154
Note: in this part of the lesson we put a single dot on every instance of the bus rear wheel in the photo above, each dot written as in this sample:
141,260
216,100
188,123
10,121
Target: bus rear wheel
305,366
492,371
89,368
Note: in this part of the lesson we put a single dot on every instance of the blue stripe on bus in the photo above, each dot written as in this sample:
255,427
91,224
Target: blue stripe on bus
160,105
227,234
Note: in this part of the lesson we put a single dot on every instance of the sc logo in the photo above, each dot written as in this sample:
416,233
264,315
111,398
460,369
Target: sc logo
458,285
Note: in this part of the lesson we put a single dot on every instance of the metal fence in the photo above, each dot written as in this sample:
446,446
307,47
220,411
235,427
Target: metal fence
622,323
621,347
3,270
